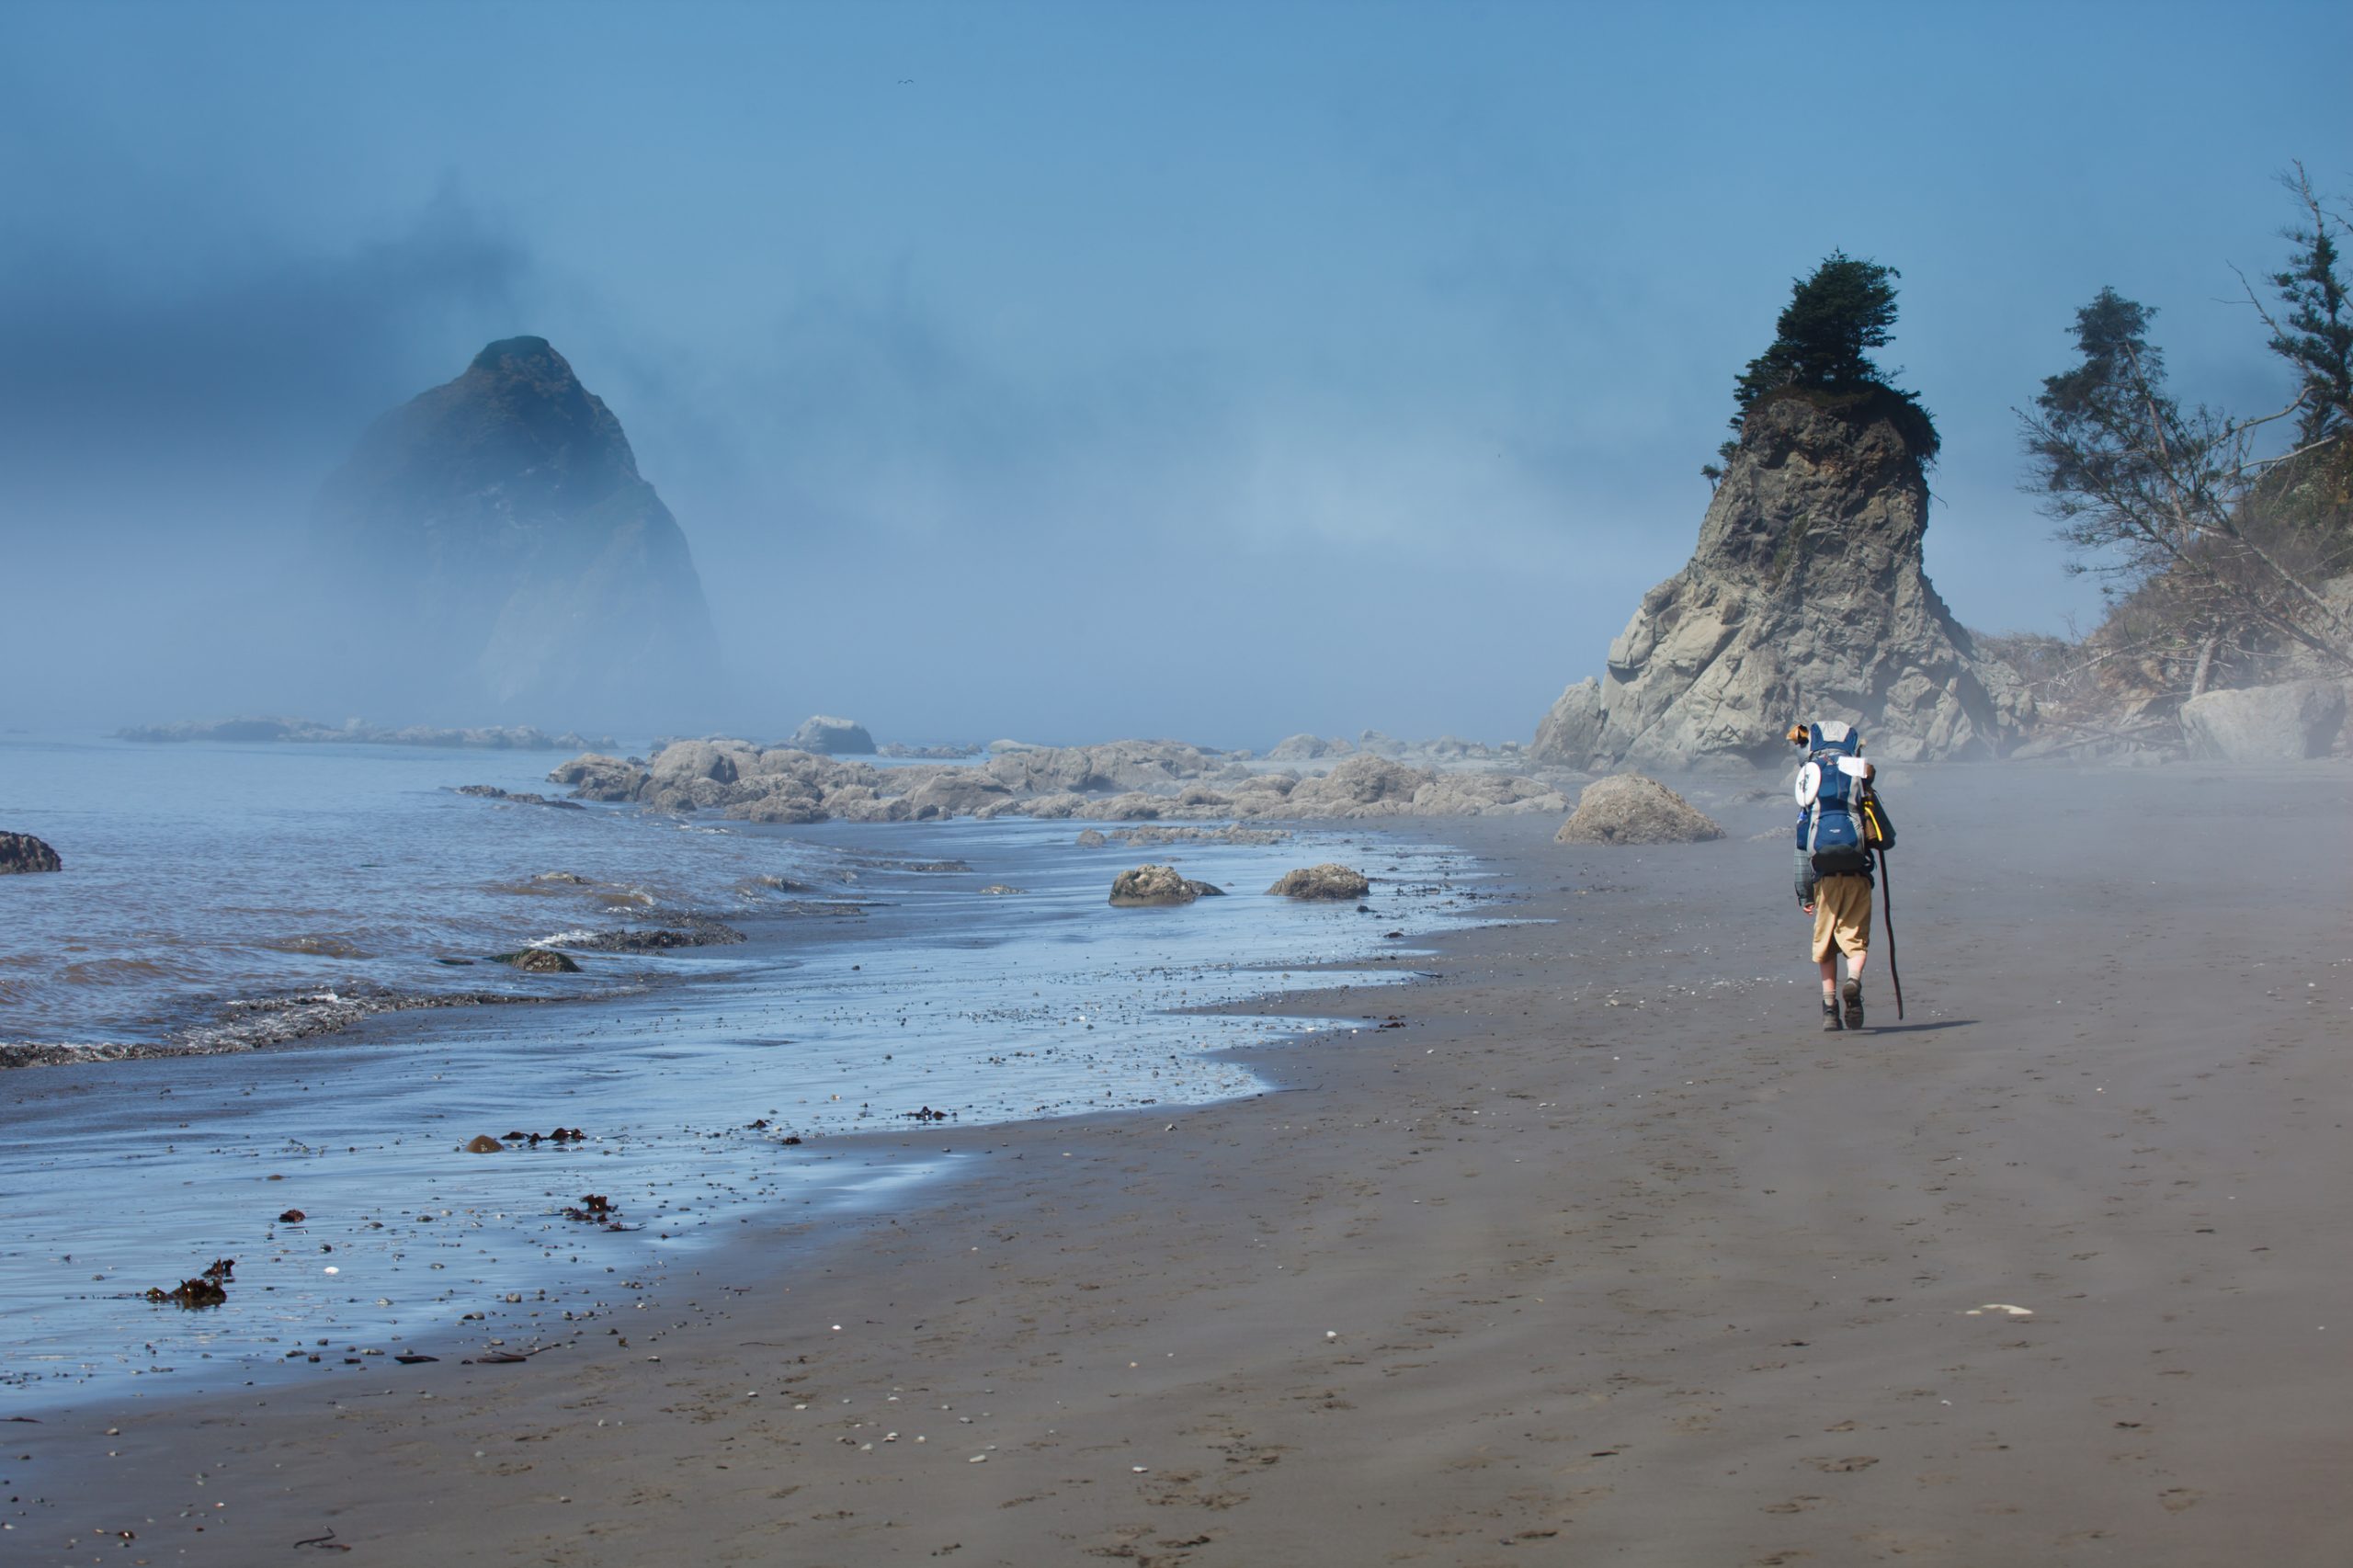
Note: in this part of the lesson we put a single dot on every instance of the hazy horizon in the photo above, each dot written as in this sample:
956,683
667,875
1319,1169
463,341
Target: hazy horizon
1063,372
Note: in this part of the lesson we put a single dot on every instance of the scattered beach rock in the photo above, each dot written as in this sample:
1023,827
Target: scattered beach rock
829,736
1327,880
1627,807
493,792
594,776
538,960
955,792
2290,723
1155,885
1092,838
1001,889
23,852
1233,833
1307,748
483,1145
1364,785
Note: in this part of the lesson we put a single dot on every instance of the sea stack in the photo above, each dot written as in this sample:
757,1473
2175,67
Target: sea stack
499,552
1805,599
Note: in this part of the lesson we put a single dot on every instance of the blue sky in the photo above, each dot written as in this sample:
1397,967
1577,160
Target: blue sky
1065,370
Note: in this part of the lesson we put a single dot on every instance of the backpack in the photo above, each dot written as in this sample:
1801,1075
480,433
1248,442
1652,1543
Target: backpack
1845,822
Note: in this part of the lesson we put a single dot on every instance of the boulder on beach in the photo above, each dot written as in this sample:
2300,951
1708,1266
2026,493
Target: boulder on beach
1327,880
23,852
1627,807
2290,723
1150,885
956,791
689,775
1364,785
538,960
829,736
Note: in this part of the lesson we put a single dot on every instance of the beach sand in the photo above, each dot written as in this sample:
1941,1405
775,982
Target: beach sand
1606,1256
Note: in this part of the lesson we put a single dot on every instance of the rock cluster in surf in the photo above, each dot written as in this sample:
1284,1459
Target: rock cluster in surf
1119,781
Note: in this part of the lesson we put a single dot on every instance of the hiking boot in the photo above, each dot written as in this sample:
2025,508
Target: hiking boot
1830,1023
1853,992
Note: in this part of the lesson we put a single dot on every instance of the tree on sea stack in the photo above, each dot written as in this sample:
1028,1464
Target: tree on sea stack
1823,341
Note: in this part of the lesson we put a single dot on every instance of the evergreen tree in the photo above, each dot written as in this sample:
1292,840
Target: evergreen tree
2315,335
1824,337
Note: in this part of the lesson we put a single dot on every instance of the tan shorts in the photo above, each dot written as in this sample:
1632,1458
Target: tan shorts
1842,917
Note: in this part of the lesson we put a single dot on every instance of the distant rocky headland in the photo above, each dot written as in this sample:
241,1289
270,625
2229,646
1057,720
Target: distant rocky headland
496,737
491,542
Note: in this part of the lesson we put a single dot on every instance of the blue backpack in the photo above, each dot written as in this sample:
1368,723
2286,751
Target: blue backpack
1844,824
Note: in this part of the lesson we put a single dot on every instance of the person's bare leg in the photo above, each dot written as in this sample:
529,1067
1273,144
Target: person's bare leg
1855,965
1830,977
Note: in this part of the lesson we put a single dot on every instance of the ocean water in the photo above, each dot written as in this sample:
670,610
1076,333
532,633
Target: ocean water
216,894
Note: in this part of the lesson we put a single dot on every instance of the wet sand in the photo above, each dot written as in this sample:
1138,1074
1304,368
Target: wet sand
1606,1256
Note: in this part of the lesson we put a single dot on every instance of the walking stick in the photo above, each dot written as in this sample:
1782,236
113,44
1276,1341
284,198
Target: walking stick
1887,924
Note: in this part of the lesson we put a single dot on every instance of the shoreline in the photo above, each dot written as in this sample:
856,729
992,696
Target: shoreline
1674,1280
359,1128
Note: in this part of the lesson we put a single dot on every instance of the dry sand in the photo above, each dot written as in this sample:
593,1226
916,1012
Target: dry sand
1534,1278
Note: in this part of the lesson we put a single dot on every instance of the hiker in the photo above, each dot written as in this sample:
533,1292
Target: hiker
1835,844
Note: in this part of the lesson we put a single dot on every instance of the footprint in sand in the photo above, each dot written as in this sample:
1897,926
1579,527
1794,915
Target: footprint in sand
1840,1467
2177,1498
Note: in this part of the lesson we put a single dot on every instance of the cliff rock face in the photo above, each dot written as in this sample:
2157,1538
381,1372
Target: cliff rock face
1805,599
498,548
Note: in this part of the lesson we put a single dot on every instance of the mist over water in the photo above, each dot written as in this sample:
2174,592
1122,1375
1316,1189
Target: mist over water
1050,371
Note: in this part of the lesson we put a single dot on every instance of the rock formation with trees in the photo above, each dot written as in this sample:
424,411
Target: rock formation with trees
1806,597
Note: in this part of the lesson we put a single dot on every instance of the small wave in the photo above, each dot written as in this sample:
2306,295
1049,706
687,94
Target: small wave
121,971
312,946
690,931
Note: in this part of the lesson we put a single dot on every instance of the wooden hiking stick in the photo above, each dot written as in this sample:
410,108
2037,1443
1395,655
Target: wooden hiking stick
1887,924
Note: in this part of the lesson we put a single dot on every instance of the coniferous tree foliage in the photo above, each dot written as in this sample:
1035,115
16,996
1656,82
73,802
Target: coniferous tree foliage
1822,342
2314,332
2217,546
